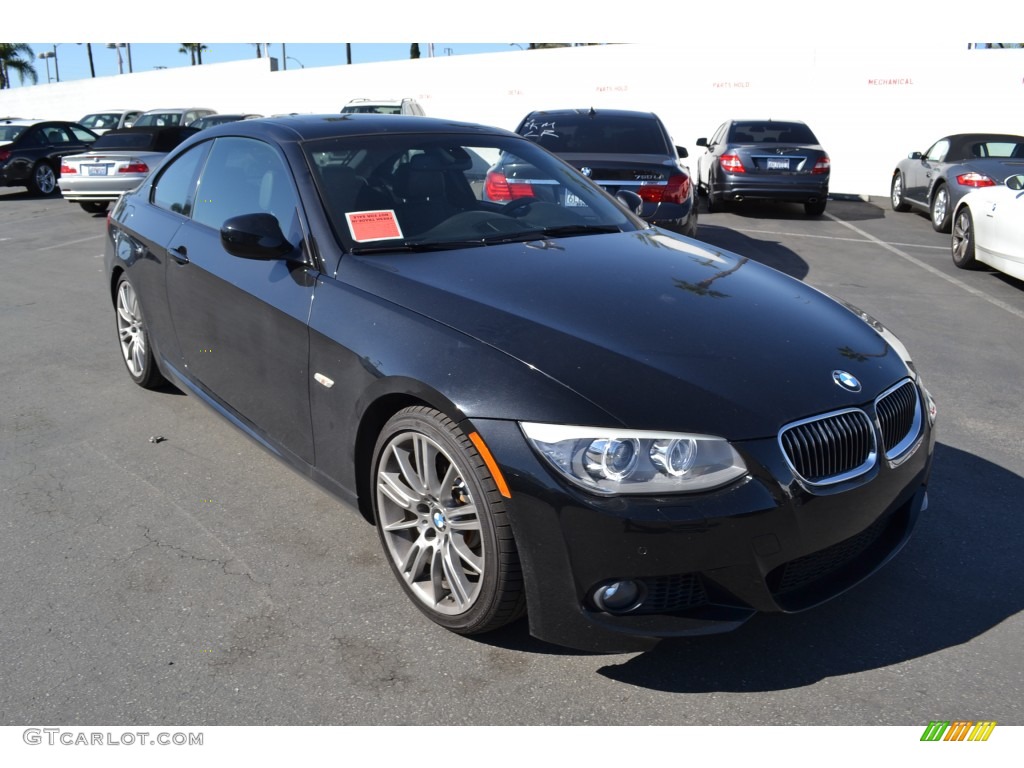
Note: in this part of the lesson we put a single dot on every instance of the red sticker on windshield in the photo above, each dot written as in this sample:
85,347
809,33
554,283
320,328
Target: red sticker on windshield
373,225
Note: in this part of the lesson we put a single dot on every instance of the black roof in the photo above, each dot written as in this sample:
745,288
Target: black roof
593,111
311,127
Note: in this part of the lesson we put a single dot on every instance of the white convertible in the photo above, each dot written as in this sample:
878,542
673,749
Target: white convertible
988,228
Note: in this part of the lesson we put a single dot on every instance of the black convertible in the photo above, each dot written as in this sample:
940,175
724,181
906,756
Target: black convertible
934,181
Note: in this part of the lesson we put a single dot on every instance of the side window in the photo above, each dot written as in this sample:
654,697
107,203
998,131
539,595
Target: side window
82,135
719,135
56,135
246,176
174,189
35,138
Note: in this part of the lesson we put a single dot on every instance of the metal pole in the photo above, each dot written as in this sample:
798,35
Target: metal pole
56,66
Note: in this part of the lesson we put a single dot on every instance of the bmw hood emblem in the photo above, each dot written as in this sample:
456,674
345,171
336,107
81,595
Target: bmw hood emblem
586,171
847,381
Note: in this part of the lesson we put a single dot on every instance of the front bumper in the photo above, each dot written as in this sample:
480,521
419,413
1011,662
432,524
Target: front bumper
708,562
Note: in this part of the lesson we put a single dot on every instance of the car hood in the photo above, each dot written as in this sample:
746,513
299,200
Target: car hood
660,332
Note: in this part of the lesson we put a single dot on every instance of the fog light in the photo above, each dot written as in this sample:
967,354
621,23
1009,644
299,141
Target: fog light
619,596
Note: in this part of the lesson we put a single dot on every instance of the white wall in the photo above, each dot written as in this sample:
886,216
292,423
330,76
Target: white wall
869,106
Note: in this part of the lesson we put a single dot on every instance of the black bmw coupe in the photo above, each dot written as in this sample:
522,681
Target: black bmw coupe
546,406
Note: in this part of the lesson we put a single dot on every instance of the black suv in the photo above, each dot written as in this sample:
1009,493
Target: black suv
31,150
621,151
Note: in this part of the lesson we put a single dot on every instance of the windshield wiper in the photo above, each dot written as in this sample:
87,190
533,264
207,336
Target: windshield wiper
411,246
567,230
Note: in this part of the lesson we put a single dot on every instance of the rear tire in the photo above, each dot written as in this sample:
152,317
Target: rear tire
133,338
43,179
940,212
816,208
963,239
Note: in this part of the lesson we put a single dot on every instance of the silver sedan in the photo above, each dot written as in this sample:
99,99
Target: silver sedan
117,162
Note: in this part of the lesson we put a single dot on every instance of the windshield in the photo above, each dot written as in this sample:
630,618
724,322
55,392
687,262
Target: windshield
162,118
10,132
373,109
417,192
770,132
103,120
596,133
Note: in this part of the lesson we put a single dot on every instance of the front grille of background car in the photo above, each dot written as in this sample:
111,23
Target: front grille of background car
830,448
818,565
670,594
898,413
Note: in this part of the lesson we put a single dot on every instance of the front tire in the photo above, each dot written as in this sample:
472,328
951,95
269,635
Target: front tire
134,338
963,239
940,212
444,525
43,179
896,194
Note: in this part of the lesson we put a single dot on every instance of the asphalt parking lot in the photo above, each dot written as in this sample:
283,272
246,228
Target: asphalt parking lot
197,580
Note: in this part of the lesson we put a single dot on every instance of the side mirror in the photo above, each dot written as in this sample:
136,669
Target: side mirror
255,236
1015,182
681,151
633,202
702,142
915,155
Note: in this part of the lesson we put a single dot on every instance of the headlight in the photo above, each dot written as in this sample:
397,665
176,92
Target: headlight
618,461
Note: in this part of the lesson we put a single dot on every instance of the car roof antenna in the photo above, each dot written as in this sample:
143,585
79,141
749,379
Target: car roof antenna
592,112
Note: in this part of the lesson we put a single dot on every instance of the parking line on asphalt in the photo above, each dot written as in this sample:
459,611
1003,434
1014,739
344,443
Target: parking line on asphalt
844,239
929,268
72,242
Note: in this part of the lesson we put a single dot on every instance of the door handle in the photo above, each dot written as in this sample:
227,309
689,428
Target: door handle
179,254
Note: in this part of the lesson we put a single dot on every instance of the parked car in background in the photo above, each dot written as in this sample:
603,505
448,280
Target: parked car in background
934,181
219,119
383,107
544,407
117,162
988,228
620,150
764,160
31,151
163,117
110,120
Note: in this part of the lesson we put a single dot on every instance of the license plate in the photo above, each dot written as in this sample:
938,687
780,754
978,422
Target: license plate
573,201
97,170
778,164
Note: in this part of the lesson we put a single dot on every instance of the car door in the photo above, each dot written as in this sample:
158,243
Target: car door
710,156
240,323
999,226
62,140
922,173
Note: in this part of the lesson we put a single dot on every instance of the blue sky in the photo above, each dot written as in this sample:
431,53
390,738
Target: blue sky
73,60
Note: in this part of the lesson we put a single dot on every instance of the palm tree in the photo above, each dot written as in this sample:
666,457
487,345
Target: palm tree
16,57
196,51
